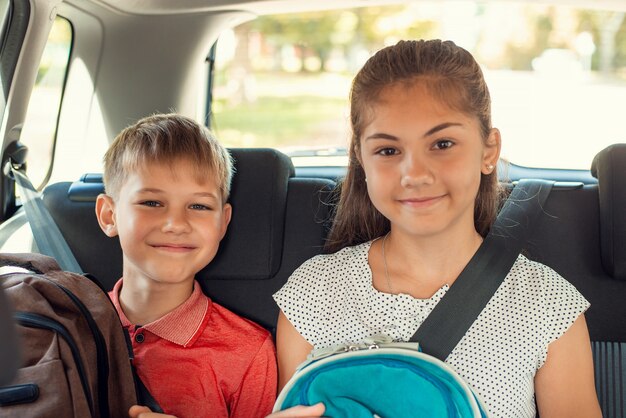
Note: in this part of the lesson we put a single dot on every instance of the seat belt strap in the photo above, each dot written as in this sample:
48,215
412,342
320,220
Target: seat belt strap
448,322
48,237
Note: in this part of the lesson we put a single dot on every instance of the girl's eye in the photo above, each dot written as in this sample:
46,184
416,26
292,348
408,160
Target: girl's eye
150,203
386,152
444,144
198,206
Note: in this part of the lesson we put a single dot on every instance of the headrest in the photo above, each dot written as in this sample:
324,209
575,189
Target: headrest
252,247
609,167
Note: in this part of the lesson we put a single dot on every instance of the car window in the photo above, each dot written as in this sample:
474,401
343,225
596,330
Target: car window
40,125
557,75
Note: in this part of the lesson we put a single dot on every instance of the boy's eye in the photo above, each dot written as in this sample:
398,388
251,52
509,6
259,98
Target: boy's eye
199,206
150,203
386,152
443,144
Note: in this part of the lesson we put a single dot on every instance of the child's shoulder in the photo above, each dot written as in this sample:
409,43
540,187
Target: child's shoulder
227,322
532,278
533,271
347,256
325,274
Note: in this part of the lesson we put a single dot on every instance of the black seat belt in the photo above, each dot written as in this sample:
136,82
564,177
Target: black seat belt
448,322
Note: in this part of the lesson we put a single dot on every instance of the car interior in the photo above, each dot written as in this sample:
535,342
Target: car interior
582,234
124,65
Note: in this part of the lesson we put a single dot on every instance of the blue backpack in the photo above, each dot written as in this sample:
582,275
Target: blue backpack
381,379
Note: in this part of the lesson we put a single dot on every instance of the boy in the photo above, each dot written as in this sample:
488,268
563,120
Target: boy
167,180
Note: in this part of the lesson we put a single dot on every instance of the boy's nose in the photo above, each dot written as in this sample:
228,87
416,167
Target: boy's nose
176,221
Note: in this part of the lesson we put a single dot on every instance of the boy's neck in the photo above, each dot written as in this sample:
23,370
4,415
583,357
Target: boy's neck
145,302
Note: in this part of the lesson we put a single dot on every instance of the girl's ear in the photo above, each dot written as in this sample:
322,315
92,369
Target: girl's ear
491,151
105,212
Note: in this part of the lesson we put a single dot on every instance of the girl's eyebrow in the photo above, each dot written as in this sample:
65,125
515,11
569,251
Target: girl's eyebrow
432,131
381,135
441,127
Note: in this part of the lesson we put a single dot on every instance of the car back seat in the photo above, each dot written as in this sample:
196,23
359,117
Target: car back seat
278,222
583,238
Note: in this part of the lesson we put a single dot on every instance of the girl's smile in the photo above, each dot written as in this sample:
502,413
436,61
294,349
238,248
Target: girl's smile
421,202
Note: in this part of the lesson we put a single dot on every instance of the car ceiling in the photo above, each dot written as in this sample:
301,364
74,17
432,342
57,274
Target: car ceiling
260,7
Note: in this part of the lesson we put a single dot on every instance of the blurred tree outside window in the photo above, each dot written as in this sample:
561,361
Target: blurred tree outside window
557,75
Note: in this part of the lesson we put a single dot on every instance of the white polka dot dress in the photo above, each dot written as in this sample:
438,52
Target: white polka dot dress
330,300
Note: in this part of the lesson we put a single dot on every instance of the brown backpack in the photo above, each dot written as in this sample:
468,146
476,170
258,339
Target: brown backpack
75,356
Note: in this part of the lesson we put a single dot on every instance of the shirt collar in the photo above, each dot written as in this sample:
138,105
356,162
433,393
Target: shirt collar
181,326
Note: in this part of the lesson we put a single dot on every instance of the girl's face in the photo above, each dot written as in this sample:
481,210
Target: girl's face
423,162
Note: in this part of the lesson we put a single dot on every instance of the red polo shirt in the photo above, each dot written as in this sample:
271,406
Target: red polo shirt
201,360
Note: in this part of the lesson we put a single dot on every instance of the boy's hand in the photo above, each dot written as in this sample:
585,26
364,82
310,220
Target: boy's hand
300,412
137,411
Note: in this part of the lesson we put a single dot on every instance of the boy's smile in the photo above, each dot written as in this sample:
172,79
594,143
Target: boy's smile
169,224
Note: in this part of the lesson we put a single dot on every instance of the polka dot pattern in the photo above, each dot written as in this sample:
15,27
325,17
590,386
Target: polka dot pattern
330,300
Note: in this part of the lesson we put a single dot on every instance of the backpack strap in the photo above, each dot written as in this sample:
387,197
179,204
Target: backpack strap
467,297
9,350
144,397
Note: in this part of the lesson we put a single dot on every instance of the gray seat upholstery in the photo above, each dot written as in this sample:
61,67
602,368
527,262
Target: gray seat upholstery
583,238
609,167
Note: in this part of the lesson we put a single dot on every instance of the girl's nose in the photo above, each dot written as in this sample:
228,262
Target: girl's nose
416,172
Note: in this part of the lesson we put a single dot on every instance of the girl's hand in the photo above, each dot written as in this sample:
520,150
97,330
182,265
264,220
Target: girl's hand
137,411
300,412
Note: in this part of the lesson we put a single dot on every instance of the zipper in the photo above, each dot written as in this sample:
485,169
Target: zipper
370,343
33,320
102,358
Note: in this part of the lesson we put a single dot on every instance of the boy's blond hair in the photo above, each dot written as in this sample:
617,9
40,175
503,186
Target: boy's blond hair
165,138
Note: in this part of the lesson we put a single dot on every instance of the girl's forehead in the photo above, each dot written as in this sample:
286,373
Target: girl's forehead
431,91
412,97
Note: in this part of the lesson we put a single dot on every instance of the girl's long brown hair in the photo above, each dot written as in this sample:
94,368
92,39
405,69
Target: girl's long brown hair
453,76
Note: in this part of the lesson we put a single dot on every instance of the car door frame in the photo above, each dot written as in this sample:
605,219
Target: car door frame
23,40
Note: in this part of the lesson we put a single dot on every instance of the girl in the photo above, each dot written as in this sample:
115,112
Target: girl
420,194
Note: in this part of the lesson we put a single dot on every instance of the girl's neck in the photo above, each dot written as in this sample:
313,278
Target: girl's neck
145,301
421,265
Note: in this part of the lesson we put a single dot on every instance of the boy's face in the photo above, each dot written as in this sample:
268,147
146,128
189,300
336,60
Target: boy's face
169,225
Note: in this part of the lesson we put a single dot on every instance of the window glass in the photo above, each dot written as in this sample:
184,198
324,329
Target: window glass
557,75
40,124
